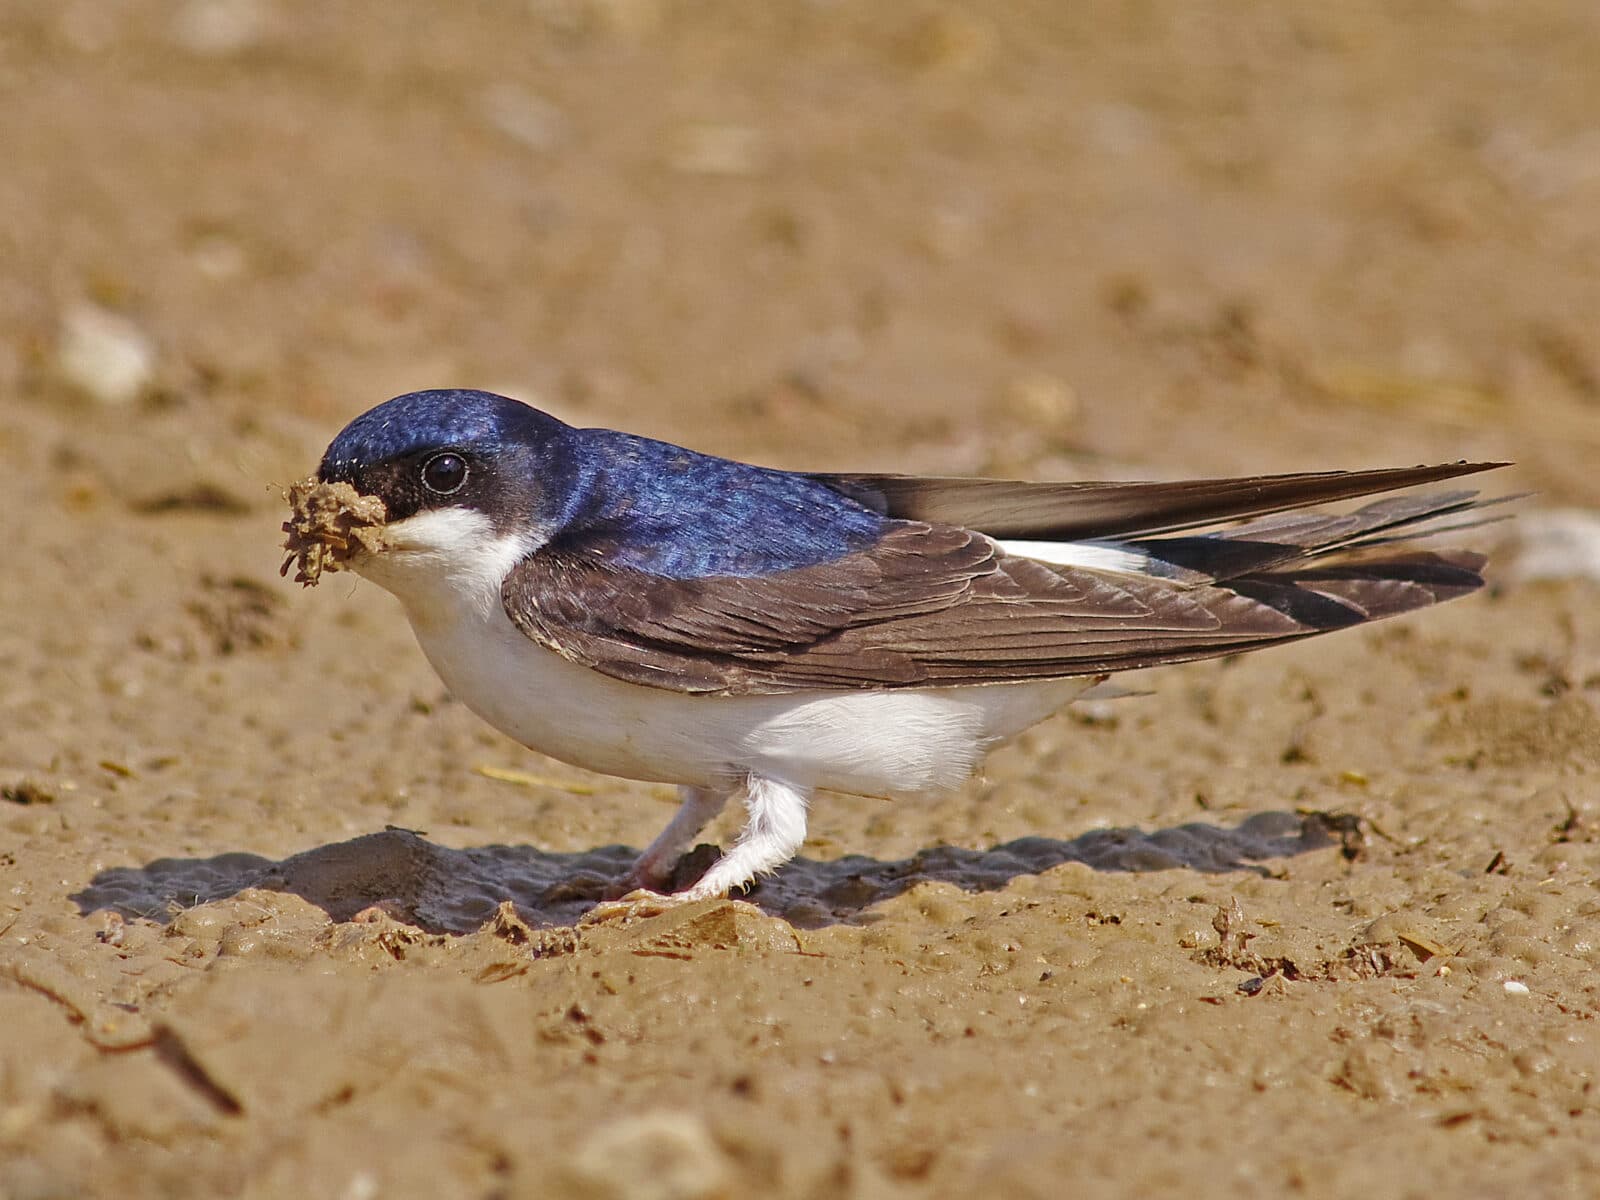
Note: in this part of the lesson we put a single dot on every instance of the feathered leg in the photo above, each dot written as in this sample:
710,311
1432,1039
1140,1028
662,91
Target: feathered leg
771,837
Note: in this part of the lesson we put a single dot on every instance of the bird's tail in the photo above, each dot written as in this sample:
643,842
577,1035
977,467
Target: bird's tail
1329,570
1285,541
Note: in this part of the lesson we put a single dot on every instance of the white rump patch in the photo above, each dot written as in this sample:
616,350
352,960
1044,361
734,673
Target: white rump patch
1095,555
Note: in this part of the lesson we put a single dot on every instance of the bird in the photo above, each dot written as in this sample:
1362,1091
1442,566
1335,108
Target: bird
651,612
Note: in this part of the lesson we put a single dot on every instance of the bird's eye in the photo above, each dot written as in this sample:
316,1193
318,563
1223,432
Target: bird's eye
444,473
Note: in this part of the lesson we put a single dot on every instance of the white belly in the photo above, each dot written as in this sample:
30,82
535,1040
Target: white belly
869,742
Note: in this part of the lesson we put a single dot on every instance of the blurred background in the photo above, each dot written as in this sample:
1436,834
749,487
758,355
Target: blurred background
1024,238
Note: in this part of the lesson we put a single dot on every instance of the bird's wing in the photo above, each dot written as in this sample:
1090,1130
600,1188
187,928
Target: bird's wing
936,605
1060,511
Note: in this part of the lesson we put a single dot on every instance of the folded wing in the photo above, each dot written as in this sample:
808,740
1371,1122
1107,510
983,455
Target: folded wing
933,604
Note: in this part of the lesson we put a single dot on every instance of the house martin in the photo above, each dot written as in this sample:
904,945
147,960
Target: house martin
647,611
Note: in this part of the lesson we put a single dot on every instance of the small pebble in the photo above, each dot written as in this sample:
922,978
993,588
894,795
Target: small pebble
363,1185
218,257
219,28
1516,987
104,354
1561,543
1120,129
660,1155
708,149
523,116
1041,399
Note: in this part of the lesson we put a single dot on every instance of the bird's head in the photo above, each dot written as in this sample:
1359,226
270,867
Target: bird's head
429,451
470,483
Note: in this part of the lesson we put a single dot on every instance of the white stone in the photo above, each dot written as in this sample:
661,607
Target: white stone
652,1156
1559,543
217,28
523,116
104,354
717,149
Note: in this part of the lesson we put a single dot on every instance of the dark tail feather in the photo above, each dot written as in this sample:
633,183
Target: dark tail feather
1277,542
1383,585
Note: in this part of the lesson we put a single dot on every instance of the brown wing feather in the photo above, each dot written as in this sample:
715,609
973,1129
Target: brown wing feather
933,605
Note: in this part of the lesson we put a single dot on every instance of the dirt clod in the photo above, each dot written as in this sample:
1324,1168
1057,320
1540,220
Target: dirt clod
329,524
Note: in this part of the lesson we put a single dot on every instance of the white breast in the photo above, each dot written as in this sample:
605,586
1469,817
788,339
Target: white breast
446,567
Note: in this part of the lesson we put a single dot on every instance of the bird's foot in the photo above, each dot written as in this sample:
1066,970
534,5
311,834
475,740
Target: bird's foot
664,874
662,879
638,883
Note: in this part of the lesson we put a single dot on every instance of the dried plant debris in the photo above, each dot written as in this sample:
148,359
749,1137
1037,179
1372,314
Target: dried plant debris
1233,951
26,791
1348,828
329,524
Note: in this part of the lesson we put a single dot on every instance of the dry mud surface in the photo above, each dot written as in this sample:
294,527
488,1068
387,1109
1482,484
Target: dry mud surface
279,918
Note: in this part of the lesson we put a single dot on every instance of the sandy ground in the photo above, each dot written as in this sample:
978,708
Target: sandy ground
1322,921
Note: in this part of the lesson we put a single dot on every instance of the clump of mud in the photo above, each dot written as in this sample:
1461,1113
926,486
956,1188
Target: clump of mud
329,524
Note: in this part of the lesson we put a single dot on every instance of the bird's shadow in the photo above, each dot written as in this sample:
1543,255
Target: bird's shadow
441,890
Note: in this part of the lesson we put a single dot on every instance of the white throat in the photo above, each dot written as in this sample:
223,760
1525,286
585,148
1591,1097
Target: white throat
446,563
